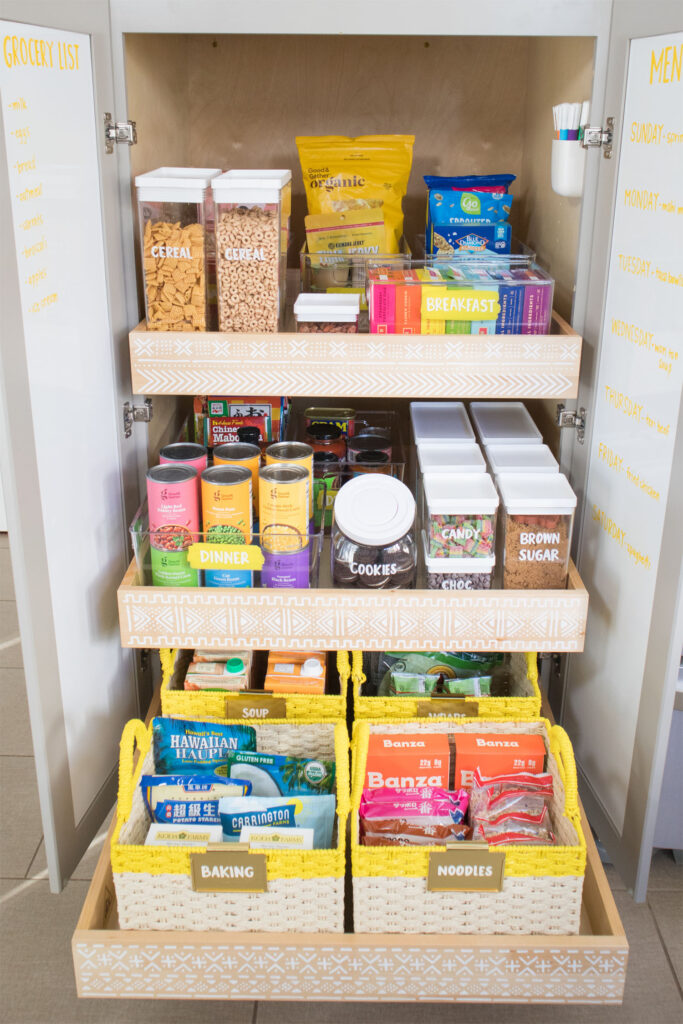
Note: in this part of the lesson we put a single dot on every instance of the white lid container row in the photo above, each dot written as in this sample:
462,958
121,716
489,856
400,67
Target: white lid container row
441,422
539,513
521,458
461,514
435,457
504,423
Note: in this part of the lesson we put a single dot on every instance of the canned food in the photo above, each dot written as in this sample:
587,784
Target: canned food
239,453
342,418
298,453
371,462
284,517
367,443
326,437
173,503
187,453
227,516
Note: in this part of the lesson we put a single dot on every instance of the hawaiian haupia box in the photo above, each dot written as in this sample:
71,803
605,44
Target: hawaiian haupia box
541,886
304,888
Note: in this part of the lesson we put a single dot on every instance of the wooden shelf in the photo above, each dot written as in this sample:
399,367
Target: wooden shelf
358,365
330,619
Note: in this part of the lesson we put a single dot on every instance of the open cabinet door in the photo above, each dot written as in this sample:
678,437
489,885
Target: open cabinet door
64,377
619,695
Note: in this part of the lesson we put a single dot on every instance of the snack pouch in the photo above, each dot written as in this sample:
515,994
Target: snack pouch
204,786
449,664
279,775
185,747
316,812
406,684
470,182
485,789
367,172
356,232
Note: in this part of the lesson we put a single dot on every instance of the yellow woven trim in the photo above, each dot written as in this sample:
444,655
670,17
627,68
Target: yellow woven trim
162,860
520,861
518,708
204,704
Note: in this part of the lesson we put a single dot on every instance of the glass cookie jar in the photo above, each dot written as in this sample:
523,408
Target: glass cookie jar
373,534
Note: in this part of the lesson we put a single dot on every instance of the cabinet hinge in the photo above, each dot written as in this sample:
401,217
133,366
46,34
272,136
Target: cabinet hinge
594,136
136,414
118,131
575,418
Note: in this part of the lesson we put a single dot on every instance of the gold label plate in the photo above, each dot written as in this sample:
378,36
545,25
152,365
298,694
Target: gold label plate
467,867
229,871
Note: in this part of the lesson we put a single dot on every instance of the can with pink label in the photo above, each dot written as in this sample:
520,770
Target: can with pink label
173,502
186,453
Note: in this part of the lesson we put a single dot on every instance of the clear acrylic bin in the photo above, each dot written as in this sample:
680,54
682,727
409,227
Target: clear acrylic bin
325,272
538,519
175,214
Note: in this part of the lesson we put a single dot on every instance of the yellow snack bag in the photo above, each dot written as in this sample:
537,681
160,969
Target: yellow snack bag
367,172
356,232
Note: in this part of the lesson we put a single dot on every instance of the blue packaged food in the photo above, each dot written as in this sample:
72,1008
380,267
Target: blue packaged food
449,239
499,182
316,812
473,207
280,775
182,747
203,786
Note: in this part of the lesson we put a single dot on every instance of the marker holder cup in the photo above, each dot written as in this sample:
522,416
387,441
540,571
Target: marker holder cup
567,167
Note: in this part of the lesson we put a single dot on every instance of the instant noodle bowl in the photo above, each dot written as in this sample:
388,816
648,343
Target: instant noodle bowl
295,452
227,515
173,502
240,453
284,518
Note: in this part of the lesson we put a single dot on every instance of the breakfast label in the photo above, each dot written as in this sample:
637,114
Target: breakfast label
439,303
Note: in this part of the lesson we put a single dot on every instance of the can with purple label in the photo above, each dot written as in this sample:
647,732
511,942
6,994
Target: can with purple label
284,503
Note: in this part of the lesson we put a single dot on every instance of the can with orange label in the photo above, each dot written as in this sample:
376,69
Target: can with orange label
297,453
284,522
227,518
239,453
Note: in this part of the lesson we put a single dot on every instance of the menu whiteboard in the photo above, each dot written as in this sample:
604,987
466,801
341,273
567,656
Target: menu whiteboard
638,393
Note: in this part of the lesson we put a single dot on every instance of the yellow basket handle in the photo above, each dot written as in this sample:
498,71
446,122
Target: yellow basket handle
561,748
344,671
135,733
167,657
532,667
357,674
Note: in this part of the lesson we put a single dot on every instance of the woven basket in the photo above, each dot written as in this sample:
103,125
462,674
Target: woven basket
542,885
210,704
305,888
525,701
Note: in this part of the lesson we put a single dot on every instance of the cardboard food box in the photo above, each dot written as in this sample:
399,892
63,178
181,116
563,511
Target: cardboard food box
398,760
496,754
291,672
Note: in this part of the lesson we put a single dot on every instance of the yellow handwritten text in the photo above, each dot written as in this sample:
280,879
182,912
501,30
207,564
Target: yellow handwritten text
667,65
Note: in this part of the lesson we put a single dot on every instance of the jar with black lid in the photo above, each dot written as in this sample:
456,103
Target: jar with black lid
326,437
373,534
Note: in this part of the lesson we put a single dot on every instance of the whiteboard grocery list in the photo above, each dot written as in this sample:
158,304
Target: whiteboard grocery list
53,135
638,391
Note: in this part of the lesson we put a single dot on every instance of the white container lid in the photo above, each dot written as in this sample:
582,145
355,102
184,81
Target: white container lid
250,186
462,493
374,509
457,458
441,422
536,493
175,184
521,458
457,565
310,307
504,423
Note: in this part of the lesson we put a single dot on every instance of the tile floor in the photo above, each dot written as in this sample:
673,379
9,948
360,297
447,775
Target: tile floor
36,975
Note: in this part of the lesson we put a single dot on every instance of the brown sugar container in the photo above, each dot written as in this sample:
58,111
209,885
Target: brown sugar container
538,520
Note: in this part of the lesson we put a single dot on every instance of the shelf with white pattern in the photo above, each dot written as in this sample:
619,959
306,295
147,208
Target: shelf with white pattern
358,365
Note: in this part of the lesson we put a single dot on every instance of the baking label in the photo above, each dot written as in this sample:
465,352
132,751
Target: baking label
439,303
452,707
225,556
229,871
469,867
255,706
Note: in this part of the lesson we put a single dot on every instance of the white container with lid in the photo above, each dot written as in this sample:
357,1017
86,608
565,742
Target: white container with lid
434,457
253,209
175,216
458,573
373,534
539,513
521,458
504,423
461,514
441,423
314,311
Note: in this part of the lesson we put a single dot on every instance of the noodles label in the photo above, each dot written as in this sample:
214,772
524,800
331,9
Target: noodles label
466,867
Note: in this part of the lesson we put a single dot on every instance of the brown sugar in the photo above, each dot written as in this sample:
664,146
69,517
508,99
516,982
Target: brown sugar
536,552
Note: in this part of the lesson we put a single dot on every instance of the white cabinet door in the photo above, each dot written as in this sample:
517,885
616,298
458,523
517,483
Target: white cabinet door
619,695
64,374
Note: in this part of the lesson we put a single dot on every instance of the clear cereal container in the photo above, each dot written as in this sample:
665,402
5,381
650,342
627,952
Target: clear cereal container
458,573
461,515
174,213
327,314
539,517
252,211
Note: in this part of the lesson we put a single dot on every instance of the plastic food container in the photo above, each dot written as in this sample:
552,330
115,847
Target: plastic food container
373,534
504,423
252,233
521,458
327,314
174,214
458,573
442,422
461,513
539,518
458,458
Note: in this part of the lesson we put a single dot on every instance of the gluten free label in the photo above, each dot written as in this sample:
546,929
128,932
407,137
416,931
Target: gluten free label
471,867
228,871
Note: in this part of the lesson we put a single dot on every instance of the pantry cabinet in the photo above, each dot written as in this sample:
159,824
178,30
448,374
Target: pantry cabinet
231,85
